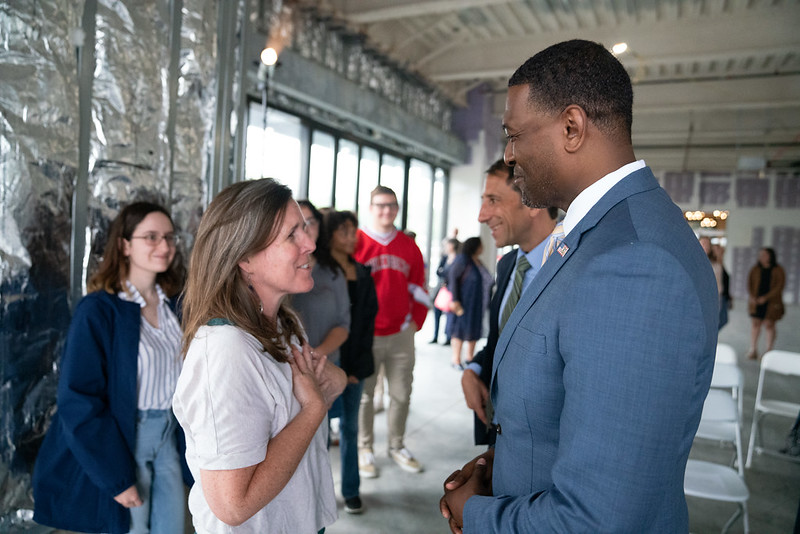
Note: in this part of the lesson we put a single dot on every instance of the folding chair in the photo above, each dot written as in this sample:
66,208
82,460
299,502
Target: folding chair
714,481
728,376
783,363
726,354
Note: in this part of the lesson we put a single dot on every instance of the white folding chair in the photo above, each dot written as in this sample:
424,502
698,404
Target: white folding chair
714,481
729,376
715,425
780,362
726,354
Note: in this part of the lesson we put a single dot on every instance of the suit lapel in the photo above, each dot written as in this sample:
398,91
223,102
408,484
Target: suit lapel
636,182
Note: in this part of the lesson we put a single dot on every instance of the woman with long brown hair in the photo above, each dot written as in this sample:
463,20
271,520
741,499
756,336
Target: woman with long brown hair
252,395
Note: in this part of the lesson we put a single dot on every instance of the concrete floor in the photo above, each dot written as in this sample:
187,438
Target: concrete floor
439,433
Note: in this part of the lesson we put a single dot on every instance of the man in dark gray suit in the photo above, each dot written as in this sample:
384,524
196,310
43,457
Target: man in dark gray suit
511,223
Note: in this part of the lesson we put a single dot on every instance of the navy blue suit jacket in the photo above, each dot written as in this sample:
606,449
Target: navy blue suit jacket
600,375
485,357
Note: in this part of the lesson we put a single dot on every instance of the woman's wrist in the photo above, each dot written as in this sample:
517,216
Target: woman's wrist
315,409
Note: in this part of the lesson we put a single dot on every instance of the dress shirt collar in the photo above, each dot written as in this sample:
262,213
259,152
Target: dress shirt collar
535,255
587,198
131,294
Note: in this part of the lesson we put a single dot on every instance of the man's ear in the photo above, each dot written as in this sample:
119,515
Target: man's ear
575,124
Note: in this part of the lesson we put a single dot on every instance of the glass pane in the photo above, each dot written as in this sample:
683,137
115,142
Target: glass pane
367,181
393,175
276,151
346,175
420,178
437,227
320,171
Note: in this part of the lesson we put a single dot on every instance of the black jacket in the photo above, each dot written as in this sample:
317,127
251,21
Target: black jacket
356,353
485,357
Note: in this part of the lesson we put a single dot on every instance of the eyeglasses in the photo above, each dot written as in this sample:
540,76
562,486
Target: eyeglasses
153,239
389,205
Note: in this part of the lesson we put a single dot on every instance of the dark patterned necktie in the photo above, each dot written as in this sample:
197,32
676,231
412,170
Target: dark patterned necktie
516,290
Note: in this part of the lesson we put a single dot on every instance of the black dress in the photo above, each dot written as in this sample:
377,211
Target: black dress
763,289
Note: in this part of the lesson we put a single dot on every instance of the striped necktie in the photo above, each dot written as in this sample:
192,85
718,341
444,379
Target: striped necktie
516,290
556,237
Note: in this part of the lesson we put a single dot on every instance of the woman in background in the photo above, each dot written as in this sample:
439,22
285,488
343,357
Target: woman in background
356,353
451,247
765,286
469,281
325,310
111,460
252,397
715,253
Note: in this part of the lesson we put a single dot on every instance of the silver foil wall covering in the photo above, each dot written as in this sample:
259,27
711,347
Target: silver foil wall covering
150,120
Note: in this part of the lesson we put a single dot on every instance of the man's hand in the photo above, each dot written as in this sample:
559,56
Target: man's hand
475,478
475,393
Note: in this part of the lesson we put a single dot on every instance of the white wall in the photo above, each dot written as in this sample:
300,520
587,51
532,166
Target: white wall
466,186
750,228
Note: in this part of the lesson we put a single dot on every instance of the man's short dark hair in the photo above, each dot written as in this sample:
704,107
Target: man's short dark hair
580,73
499,168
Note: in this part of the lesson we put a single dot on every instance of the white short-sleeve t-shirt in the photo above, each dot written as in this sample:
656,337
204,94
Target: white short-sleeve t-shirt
231,399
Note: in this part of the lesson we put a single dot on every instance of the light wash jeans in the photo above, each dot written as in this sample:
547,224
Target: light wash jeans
158,475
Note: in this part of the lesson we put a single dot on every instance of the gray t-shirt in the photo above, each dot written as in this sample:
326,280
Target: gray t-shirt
324,307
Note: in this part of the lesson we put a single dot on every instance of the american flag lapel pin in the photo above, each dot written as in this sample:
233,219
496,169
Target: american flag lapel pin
562,250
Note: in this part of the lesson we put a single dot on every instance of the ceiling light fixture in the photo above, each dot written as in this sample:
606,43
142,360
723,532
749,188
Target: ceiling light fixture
269,56
619,48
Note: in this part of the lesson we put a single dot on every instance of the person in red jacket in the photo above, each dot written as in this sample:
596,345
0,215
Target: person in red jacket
399,275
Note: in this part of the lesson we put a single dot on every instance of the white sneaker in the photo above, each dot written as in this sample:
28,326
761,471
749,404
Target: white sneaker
366,463
405,460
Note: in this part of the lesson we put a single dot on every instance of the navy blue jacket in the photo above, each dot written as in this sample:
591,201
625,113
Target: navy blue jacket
87,456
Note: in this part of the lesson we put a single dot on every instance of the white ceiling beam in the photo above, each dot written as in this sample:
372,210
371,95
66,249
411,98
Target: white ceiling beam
781,93
767,29
371,11
628,61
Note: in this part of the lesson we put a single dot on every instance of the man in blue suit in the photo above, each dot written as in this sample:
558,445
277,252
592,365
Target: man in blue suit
511,223
600,374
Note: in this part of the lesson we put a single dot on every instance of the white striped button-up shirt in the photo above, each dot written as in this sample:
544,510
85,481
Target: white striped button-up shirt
159,362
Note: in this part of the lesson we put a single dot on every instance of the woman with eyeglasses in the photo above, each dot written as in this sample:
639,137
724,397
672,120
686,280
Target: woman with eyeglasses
112,460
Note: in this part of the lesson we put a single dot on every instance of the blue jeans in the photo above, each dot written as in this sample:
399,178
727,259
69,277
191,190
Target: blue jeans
158,475
348,439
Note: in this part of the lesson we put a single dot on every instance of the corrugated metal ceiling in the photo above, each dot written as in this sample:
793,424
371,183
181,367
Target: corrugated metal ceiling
715,80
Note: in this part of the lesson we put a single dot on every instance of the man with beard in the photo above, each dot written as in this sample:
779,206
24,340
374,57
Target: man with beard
601,371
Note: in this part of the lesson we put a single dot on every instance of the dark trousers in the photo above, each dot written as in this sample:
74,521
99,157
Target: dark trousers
437,317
